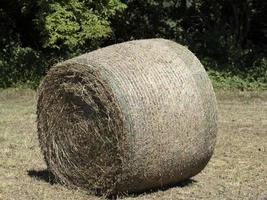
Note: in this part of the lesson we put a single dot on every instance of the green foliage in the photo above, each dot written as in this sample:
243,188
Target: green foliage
21,65
72,23
227,78
37,34
229,81
229,37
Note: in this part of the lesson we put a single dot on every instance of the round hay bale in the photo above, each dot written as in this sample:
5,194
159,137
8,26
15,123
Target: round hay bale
128,117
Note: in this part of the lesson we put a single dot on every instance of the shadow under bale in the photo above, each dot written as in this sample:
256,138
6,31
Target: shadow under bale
43,175
186,183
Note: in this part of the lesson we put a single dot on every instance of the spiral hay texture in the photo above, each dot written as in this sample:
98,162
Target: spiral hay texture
128,117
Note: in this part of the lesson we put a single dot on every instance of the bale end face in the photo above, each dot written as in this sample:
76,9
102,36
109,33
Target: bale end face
80,127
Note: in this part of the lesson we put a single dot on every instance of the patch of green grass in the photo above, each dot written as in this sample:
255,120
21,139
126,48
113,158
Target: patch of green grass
229,81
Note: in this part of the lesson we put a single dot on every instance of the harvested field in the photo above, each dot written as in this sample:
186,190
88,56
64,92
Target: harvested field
237,170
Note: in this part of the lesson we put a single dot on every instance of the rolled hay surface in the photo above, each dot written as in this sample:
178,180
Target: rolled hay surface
128,117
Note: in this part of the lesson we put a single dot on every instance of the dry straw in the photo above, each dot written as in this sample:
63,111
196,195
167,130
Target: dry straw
128,117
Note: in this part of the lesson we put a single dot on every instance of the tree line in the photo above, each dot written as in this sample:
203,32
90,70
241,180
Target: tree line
229,36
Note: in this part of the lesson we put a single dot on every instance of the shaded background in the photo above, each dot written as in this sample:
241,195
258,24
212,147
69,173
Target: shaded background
228,36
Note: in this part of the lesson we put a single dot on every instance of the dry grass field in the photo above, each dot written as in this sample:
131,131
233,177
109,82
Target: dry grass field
238,169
